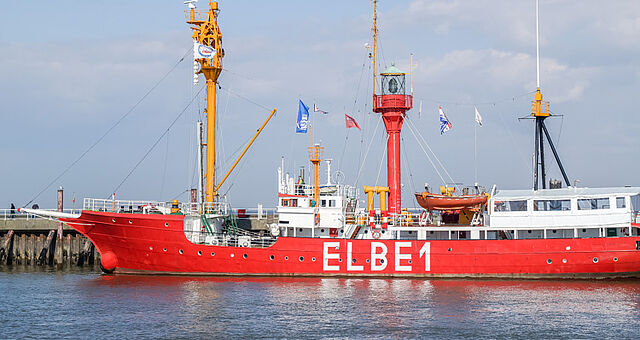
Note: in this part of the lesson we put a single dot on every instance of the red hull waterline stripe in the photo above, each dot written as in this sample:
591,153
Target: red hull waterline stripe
156,244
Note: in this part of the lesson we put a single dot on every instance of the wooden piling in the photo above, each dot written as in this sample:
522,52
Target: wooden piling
45,256
5,248
67,249
21,249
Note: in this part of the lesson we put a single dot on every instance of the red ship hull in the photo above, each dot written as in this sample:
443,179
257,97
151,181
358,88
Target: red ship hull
137,243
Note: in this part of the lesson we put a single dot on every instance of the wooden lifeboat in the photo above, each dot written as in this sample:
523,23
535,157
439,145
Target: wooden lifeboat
432,201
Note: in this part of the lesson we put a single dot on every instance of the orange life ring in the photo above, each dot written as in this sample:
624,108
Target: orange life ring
317,219
376,234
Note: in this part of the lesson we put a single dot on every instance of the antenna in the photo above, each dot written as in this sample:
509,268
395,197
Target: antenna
537,45
191,3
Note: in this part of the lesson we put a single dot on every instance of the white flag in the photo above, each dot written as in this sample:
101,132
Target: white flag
203,51
478,116
317,109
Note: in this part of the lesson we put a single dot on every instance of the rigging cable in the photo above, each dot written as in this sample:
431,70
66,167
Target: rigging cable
406,157
158,140
433,153
367,153
189,50
355,101
427,154
384,153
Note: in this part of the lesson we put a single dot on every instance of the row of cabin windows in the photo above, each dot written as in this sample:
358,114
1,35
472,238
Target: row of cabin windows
559,205
293,202
328,203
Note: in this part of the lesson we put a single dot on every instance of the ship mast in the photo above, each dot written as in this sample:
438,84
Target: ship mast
540,111
207,32
375,42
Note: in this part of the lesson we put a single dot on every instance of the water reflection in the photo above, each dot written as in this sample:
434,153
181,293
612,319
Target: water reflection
170,306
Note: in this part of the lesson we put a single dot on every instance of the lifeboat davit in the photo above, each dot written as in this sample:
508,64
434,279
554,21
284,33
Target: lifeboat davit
432,201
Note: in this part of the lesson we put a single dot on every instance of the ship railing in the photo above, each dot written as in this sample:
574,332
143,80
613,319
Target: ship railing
199,16
13,214
259,213
243,239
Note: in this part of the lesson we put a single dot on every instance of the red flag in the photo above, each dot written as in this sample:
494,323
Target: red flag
351,123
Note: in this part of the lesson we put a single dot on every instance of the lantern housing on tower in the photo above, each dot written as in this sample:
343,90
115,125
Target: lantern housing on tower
393,81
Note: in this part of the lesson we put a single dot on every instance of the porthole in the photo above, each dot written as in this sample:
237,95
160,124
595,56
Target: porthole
180,251
410,232
232,255
564,260
244,255
213,254
113,220
381,261
366,231
166,224
449,249
584,230
409,261
286,258
164,249
313,259
431,232
549,261
595,260
384,231
554,231
300,229
150,248
322,230
199,253
353,260
271,257
529,231
130,222
301,258
341,231
339,260
615,259
368,261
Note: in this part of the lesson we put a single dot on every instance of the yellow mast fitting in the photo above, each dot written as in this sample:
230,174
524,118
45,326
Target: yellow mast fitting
539,108
315,156
207,32
382,191
411,72
244,151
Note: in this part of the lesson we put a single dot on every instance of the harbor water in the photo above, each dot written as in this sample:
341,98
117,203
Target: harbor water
80,303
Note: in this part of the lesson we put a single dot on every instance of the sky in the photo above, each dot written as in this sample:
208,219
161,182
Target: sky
69,70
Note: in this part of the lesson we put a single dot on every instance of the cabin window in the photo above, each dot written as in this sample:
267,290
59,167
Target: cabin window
520,205
323,203
285,203
332,203
294,202
593,203
621,202
552,205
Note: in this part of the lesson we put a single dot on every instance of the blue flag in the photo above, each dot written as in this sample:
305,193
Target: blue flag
302,125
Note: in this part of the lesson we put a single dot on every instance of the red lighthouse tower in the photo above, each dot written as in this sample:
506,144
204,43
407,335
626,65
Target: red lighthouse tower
392,104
